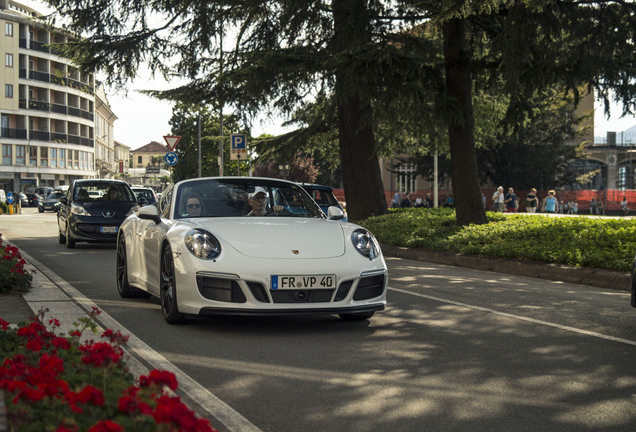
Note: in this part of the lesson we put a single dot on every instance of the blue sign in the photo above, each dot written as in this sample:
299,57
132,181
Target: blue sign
171,158
10,197
238,141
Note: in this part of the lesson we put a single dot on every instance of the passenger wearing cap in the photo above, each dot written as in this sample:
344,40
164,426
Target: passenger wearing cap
257,200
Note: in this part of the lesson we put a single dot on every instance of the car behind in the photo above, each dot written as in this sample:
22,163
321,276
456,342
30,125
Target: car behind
92,211
324,197
51,202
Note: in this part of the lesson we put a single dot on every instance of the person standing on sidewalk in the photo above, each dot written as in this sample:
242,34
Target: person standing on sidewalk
498,200
512,204
550,203
532,202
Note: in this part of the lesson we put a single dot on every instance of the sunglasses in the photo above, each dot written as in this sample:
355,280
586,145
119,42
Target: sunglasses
194,206
260,199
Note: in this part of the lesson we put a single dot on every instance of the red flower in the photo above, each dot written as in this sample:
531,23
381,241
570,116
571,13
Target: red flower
106,426
157,377
100,353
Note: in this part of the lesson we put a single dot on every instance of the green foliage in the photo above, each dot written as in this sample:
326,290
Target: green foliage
575,241
4,208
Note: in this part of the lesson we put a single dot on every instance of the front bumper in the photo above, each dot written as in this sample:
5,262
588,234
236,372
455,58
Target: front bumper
94,229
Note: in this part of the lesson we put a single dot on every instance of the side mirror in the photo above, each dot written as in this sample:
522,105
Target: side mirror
335,213
149,213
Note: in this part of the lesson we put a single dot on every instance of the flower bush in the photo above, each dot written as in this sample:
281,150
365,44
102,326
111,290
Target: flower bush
13,276
57,383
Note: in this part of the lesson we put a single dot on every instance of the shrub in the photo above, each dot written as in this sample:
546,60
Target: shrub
13,276
57,383
576,241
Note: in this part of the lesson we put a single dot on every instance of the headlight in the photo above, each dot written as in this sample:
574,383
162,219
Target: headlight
202,244
78,210
365,243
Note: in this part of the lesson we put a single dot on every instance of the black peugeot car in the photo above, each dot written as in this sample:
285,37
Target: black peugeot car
93,210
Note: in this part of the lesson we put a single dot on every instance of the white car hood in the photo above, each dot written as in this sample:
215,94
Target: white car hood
279,237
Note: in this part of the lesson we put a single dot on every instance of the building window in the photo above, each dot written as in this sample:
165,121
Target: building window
20,155
62,158
76,159
140,159
8,90
8,60
33,156
44,156
8,29
405,178
53,158
6,154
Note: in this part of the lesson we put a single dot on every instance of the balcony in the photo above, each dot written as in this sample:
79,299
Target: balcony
13,133
39,76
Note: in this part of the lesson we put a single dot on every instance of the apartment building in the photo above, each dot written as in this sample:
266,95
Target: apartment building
47,108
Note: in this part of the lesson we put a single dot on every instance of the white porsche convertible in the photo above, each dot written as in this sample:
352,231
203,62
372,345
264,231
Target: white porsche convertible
249,246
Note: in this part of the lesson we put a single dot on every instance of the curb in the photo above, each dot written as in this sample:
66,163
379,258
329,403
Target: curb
577,275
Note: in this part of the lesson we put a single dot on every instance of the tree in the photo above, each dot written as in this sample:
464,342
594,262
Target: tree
367,56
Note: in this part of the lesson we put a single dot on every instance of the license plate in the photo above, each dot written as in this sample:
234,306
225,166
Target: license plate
108,230
303,281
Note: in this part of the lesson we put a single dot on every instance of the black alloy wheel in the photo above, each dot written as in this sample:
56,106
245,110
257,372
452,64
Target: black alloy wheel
168,290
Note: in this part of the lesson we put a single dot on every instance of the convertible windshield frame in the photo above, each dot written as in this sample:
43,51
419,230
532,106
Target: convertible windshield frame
229,197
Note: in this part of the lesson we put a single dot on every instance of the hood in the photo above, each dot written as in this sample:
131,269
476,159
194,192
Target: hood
279,237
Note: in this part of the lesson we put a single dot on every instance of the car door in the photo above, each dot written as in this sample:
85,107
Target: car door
65,209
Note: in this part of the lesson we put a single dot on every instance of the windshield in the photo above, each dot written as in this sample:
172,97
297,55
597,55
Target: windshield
102,191
55,195
244,197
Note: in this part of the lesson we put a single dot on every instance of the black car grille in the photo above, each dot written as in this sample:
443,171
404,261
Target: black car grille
217,289
92,229
369,287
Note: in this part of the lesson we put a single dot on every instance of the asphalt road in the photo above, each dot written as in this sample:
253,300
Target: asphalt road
456,350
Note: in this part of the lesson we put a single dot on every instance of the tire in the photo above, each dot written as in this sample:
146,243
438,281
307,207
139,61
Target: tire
70,243
356,316
41,210
61,238
168,290
124,289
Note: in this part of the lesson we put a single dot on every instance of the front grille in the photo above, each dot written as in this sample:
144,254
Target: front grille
301,296
369,287
258,291
343,291
223,290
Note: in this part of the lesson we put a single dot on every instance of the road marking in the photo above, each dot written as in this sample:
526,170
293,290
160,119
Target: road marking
520,317
230,419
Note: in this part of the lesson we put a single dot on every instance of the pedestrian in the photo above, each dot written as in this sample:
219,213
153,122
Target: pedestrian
498,200
450,201
483,200
532,202
419,202
429,201
550,203
570,207
407,202
593,206
512,204
575,207
624,207
397,200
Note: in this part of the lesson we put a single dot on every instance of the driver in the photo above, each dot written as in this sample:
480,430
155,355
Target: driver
258,202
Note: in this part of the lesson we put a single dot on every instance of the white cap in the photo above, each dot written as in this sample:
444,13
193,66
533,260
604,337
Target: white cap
257,190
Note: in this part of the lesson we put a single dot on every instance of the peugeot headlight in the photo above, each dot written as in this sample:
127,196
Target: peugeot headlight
202,244
133,210
79,210
365,243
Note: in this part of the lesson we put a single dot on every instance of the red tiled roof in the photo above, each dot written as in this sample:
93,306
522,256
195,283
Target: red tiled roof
151,147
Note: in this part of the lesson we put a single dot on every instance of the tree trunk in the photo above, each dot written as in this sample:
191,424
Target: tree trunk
461,127
361,173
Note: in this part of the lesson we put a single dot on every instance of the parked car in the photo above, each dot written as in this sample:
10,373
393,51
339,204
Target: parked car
95,219
33,199
323,195
249,246
3,196
147,193
43,191
22,198
51,202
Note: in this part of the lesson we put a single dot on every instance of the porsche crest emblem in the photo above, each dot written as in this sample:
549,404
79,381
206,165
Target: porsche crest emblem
295,252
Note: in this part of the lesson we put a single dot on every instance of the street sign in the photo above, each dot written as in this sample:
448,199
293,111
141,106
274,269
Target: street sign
238,148
10,197
171,141
171,158
153,169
